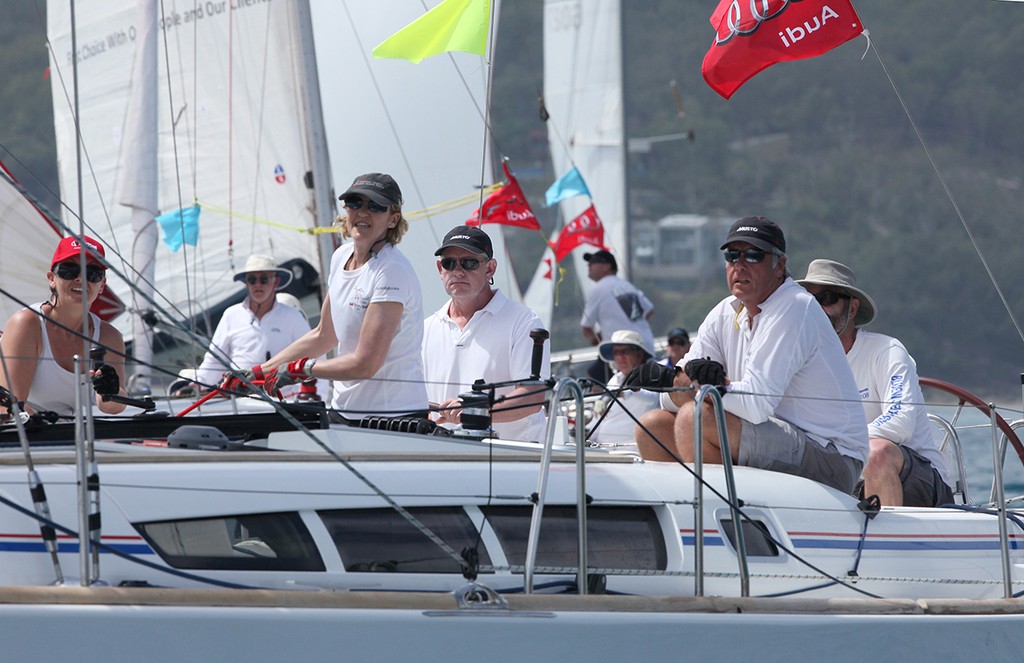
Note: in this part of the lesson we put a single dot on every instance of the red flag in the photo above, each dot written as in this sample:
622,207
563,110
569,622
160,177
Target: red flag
584,229
507,205
752,35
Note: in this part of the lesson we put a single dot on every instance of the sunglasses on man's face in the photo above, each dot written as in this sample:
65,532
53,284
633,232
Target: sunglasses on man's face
263,279
357,203
468,264
750,256
830,297
69,271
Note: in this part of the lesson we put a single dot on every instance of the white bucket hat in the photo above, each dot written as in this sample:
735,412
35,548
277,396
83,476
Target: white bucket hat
837,275
258,262
623,337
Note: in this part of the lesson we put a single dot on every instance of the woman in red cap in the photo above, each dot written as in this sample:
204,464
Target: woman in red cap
39,342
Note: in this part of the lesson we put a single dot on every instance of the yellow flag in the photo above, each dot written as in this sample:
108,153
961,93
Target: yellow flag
453,25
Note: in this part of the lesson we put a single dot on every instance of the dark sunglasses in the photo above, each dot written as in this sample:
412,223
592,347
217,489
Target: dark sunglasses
830,297
750,256
468,264
357,203
264,279
69,271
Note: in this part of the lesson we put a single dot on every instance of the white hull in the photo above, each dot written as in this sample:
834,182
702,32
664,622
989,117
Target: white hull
174,625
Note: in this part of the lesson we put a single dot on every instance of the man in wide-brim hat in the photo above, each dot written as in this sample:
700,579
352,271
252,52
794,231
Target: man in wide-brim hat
905,465
255,329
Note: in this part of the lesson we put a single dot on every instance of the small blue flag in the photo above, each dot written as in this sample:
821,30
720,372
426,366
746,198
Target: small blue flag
180,226
567,186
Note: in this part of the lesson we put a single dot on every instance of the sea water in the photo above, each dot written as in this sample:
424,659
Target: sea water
976,446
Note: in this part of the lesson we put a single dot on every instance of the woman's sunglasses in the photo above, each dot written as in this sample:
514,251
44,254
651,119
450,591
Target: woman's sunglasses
357,203
69,271
468,264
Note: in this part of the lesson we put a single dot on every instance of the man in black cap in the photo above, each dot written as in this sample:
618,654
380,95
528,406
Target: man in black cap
677,345
791,405
613,304
479,333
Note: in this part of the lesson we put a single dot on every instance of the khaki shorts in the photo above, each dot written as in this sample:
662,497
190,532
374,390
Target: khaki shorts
780,446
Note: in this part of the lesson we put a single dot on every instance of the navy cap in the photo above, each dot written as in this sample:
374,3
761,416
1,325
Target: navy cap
757,231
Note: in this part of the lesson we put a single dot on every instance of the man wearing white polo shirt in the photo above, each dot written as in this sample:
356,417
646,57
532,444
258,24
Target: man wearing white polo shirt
480,333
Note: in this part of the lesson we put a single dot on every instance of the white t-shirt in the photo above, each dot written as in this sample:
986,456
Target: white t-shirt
791,365
614,304
886,376
246,340
397,388
495,346
618,427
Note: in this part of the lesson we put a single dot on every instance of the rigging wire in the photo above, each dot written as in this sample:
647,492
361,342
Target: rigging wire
949,194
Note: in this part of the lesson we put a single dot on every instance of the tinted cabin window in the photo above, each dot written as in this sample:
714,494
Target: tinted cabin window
756,537
384,541
264,542
617,537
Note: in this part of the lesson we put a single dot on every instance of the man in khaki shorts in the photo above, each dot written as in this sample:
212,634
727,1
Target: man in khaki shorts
791,404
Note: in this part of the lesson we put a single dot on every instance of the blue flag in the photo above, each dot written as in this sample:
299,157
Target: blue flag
567,186
180,226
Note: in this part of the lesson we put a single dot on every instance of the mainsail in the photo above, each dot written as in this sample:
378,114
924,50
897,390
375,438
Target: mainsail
583,95
425,124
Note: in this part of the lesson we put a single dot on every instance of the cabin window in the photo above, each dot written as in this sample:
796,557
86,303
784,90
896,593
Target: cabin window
384,541
262,542
617,537
756,537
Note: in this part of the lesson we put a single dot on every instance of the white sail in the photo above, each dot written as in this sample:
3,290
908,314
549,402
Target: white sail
27,241
422,123
584,98
230,130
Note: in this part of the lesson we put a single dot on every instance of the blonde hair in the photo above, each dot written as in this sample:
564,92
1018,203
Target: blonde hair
393,236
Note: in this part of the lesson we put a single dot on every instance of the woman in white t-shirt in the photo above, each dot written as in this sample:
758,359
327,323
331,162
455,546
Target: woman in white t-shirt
372,315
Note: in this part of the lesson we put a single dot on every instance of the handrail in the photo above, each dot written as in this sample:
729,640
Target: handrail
1003,441
954,437
542,484
1000,505
698,490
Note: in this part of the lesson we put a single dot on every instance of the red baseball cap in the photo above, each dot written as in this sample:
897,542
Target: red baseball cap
71,247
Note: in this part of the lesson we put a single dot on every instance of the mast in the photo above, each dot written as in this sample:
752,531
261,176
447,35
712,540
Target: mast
323,191
140,189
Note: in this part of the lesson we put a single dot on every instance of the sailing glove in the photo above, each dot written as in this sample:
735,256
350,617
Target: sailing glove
105,381
705,371
651,376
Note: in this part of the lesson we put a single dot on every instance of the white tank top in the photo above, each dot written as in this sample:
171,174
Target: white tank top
53,388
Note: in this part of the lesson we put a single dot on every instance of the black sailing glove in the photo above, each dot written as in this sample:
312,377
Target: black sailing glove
106,382
650,375
705,371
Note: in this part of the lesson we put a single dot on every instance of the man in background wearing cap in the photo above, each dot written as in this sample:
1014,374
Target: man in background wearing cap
480,333
256,328
905,465
677,345
791,404
613,304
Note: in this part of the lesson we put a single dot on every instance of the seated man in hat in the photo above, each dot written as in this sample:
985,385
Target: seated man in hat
255,329
791,403
612,423
479,333
905,466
